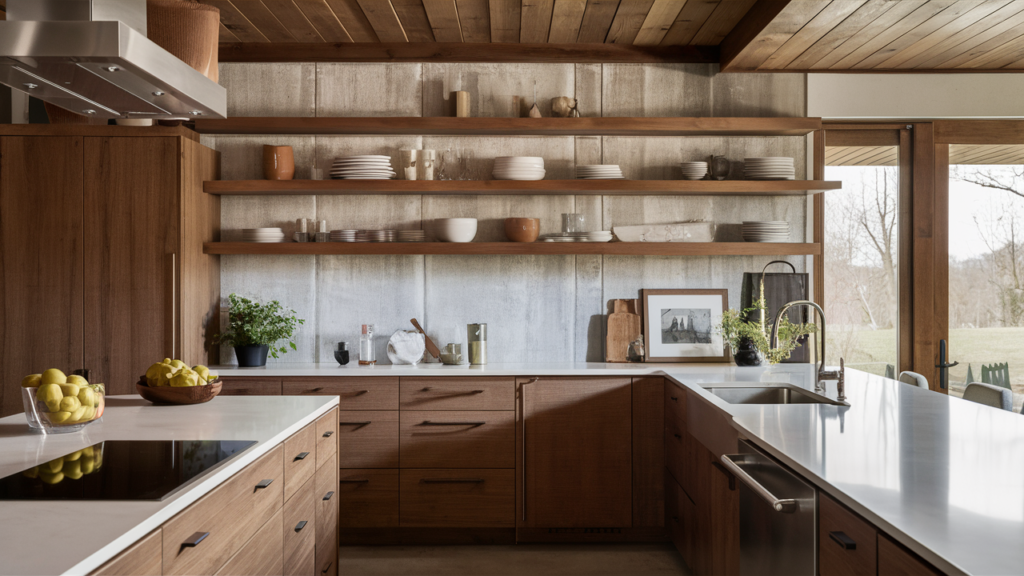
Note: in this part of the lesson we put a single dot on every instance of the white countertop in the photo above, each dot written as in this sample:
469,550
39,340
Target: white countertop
943,476
67,537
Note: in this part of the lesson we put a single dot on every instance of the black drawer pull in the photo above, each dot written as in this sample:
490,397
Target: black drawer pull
317,389
454,393
301,456
300,526
194,539
264,483
675,519
328,433
353,480
678,436
451,480
356,424
674,398
843,540
360,392
329,564
473,424
328,496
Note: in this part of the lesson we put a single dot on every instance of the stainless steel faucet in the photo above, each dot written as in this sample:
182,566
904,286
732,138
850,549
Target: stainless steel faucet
822,373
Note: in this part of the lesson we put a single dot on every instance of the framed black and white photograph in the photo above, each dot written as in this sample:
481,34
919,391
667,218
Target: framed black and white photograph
681,325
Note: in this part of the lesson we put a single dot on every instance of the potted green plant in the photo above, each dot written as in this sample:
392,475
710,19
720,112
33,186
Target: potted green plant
254,330
748,339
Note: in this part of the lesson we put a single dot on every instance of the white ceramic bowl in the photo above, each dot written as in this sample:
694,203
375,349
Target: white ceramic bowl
455,229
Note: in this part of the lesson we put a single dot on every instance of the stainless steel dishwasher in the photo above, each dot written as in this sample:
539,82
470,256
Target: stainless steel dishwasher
778,516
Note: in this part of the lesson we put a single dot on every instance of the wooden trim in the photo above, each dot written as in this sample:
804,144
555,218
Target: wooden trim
833,125
464,52
446,126
818,214
510,187
518,248
940,260
99,131
747,31
905,328
979,131
875,137
925,250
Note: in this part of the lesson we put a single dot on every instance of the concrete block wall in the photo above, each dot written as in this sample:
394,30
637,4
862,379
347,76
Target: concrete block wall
538,308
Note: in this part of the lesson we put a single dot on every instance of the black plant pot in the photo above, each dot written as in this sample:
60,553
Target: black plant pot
252,356
748,354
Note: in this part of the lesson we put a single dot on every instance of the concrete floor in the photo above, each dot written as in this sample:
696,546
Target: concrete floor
531,559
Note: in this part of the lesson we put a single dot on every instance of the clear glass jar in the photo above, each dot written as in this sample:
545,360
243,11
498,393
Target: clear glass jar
366,355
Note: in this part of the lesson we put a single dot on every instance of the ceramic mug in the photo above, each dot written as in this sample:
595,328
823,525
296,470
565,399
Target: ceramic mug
278,163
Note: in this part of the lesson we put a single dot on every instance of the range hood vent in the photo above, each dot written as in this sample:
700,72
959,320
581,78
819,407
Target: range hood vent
92,57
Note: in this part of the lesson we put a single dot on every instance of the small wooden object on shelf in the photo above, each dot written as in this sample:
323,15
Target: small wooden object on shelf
623,328
174,395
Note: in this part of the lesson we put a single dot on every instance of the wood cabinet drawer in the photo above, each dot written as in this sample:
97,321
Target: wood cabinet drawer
327,558
325,498
353,393
458,439
299,459
680,519
300,531
368,498
678,457
847,544
675,404
895,560
144,558
368,439
458,498
250,386
458,393
262,555
230,515
326,438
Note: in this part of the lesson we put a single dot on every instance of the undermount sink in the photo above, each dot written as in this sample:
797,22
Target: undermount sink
769,395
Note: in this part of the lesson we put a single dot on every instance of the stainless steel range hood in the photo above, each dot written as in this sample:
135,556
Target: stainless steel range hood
92,57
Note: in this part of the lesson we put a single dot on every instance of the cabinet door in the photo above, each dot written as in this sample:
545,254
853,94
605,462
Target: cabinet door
576,453
132,257
41,259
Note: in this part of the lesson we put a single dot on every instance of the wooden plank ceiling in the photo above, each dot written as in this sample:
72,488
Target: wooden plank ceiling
882,35
958,154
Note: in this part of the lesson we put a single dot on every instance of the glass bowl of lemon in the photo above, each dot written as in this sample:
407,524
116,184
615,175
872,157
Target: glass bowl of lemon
59,404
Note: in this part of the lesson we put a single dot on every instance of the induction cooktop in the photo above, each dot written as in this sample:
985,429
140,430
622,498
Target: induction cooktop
122,470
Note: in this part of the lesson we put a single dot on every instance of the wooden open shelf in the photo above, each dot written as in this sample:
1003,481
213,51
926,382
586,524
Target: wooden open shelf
512,187
515,248
514,126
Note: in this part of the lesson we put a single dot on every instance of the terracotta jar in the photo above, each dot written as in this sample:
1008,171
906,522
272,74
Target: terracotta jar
522,229
278,163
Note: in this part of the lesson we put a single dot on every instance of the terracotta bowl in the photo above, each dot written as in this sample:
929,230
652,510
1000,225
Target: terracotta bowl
171,395
522,229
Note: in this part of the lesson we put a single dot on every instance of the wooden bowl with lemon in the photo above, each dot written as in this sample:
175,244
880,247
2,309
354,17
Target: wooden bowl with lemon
173,382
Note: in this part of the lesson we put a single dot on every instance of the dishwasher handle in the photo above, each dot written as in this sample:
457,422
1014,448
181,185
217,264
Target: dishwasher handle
784,505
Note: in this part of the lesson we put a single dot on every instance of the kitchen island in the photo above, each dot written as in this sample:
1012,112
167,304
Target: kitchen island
941,476
77,537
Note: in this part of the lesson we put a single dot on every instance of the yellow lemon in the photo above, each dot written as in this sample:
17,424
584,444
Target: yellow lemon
178,364
77,415
31,381
166,361
153,373
88,452
88,465
59,417
69,404
166,373
53,376
79,380
203,371
51,395
70,389
51,478
53,466
90,414
184,379
86,397
32,472
73,456
73,469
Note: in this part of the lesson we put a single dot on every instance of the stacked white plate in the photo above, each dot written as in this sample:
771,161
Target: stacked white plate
367,167
344,235
262,235
694,170
411,236
598,236
778,168
766,231
519,168
599,172
379,235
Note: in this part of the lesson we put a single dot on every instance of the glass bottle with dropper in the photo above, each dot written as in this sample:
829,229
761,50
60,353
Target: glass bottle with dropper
366,357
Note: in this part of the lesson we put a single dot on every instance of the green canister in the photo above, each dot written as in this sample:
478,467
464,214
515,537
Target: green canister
476,334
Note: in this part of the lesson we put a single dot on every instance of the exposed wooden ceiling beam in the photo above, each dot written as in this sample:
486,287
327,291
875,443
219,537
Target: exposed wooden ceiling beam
463,52
744,35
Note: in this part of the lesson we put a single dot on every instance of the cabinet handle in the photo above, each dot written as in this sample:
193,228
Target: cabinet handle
317,389
729,475
358,425
301,456
300,526
678,437
473,424
264,483
353,480
675,519
328,496
455,393
328,433
843,540
522,415
360,392
194,539
451,480
329,564
674,398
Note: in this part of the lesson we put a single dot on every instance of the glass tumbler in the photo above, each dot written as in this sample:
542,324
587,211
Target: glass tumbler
573,223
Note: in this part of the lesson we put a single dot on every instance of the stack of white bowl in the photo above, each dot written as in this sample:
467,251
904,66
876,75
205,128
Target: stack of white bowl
599,236
599,172
344,235
694,170
367,167
262,235
777,168
519,168
777,231
455,229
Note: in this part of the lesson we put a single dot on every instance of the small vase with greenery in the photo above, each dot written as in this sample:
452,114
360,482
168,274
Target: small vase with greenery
254,330
747,336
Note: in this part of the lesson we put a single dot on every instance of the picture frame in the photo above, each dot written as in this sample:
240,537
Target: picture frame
680,325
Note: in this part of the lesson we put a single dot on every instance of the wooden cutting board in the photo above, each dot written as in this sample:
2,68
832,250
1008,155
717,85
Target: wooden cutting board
623,328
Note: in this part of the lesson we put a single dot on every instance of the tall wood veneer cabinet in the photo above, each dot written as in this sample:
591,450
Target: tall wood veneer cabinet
101,252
